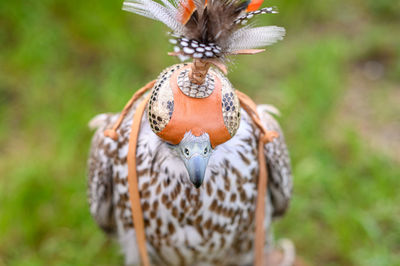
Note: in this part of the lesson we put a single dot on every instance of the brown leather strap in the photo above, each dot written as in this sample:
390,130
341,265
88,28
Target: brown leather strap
136,208
259,237
265,136
137,215
251,108
112,133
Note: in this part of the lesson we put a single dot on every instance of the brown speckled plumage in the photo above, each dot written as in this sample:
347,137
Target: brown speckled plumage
212,225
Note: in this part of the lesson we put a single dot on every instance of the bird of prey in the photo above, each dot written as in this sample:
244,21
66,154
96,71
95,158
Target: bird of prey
197,183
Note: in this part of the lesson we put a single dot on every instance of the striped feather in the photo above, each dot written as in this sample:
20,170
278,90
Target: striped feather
167,13
249,38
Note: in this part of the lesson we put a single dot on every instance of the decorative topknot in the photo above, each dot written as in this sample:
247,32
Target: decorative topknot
210,29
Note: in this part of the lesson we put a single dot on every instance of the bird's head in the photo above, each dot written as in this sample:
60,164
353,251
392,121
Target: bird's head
195,153
193,118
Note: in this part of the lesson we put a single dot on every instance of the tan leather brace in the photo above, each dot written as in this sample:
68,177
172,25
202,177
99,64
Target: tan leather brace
137,215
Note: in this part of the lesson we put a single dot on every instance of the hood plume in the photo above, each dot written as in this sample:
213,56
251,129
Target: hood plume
210,29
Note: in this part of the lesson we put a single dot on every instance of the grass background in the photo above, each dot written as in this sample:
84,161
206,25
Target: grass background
335,78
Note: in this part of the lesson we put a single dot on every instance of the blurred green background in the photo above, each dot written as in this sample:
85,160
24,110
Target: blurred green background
335,78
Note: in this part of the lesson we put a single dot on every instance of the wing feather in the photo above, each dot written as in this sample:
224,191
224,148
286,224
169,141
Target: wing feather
100,183
279,167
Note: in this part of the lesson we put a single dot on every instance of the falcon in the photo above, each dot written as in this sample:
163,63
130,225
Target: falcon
197,149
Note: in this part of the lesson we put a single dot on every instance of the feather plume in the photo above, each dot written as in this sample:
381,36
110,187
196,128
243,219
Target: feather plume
186,10
166,13
207,29
249,15
249,38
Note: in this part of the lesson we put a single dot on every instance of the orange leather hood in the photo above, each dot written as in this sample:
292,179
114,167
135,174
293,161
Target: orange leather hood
198,115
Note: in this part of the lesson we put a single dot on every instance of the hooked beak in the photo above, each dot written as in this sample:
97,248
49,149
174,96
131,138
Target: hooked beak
196,167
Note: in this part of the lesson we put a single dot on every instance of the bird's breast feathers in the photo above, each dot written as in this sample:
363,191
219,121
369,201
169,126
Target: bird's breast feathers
216,217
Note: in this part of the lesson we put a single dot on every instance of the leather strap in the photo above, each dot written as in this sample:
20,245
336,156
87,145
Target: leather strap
112,133
137,215
265,136
133,187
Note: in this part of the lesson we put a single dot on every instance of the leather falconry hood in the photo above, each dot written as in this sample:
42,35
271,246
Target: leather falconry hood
178,105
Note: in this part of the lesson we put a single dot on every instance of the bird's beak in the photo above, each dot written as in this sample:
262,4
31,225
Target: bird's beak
196,167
